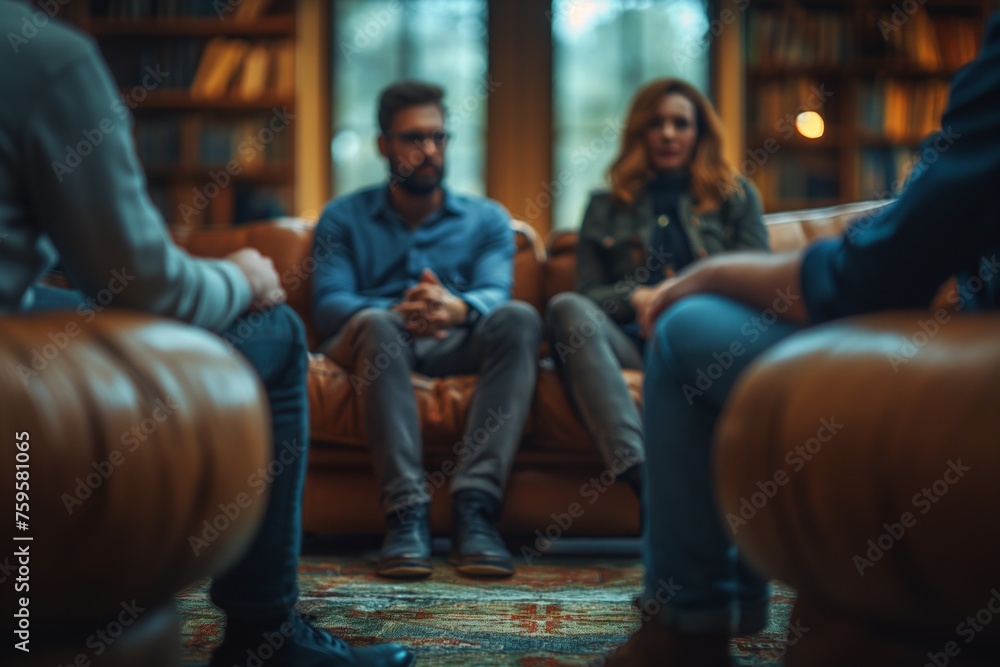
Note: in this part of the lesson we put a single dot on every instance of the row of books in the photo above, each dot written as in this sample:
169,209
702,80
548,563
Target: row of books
823,38
799,176
797,38
915,41
207,139
147,9
901,110
775,104
245,69
958,40
130,63
210,69
195,204
928,43
883,171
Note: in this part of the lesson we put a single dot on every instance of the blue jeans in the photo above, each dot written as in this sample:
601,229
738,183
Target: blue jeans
263,584
695,580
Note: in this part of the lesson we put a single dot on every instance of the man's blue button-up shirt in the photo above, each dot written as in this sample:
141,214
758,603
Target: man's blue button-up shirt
367,256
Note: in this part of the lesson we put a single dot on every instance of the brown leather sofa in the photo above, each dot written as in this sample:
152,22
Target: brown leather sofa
557,465
126,451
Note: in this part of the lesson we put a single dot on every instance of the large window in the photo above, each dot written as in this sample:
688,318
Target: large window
603,50
377,42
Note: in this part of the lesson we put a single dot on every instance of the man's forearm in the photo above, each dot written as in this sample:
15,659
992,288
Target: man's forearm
756,279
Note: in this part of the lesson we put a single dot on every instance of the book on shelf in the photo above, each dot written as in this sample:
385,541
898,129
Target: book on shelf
778,102
901,111
219,65
245,70
172,63
808,176
251,9
958,39
212,141
254,74
797,39
283,72
799,176
917,44
882,172
192,205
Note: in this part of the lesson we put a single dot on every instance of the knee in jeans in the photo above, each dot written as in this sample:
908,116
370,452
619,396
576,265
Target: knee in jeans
515,319
276,333
290,324
685,318
277,325
565,307
569,310
377,325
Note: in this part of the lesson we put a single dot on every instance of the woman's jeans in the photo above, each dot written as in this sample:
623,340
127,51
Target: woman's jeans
263,584
590,351
695,580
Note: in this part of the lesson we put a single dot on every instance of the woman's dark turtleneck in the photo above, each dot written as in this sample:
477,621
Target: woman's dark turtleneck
666,190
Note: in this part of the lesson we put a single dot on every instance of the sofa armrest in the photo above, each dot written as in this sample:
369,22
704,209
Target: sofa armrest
858,462
138,430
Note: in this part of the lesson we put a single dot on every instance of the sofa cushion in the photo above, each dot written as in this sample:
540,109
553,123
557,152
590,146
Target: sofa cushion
556,425
553,424
335,408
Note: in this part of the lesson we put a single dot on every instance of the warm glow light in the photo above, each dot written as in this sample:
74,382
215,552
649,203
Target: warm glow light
810,125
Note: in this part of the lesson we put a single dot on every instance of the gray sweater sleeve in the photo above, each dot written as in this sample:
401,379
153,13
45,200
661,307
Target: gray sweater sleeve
89,194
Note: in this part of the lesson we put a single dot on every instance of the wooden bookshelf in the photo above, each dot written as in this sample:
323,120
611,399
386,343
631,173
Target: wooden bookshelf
878,76
212,89
191,27
182,100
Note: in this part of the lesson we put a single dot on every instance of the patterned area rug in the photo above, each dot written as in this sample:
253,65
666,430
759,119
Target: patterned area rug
565,611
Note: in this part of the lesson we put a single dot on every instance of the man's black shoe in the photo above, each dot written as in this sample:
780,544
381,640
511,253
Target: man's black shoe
477,548
296,643
406,550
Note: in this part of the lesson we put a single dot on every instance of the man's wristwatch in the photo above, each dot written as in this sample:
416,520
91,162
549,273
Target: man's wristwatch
471,316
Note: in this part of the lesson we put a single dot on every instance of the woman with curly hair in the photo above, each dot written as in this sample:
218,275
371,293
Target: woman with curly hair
674,199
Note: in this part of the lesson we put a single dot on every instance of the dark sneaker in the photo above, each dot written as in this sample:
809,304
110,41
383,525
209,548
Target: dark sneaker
296,643
477,548
406,550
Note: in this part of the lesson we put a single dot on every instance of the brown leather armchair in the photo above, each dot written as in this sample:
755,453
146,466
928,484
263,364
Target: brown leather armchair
125,452
886,430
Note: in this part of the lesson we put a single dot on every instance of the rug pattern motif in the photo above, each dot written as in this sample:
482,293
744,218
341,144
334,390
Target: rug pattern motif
564,611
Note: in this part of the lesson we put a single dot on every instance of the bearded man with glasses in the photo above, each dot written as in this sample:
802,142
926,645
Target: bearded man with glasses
420,280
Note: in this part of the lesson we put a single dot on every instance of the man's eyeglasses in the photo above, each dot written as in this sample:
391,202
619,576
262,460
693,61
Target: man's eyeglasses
418,139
